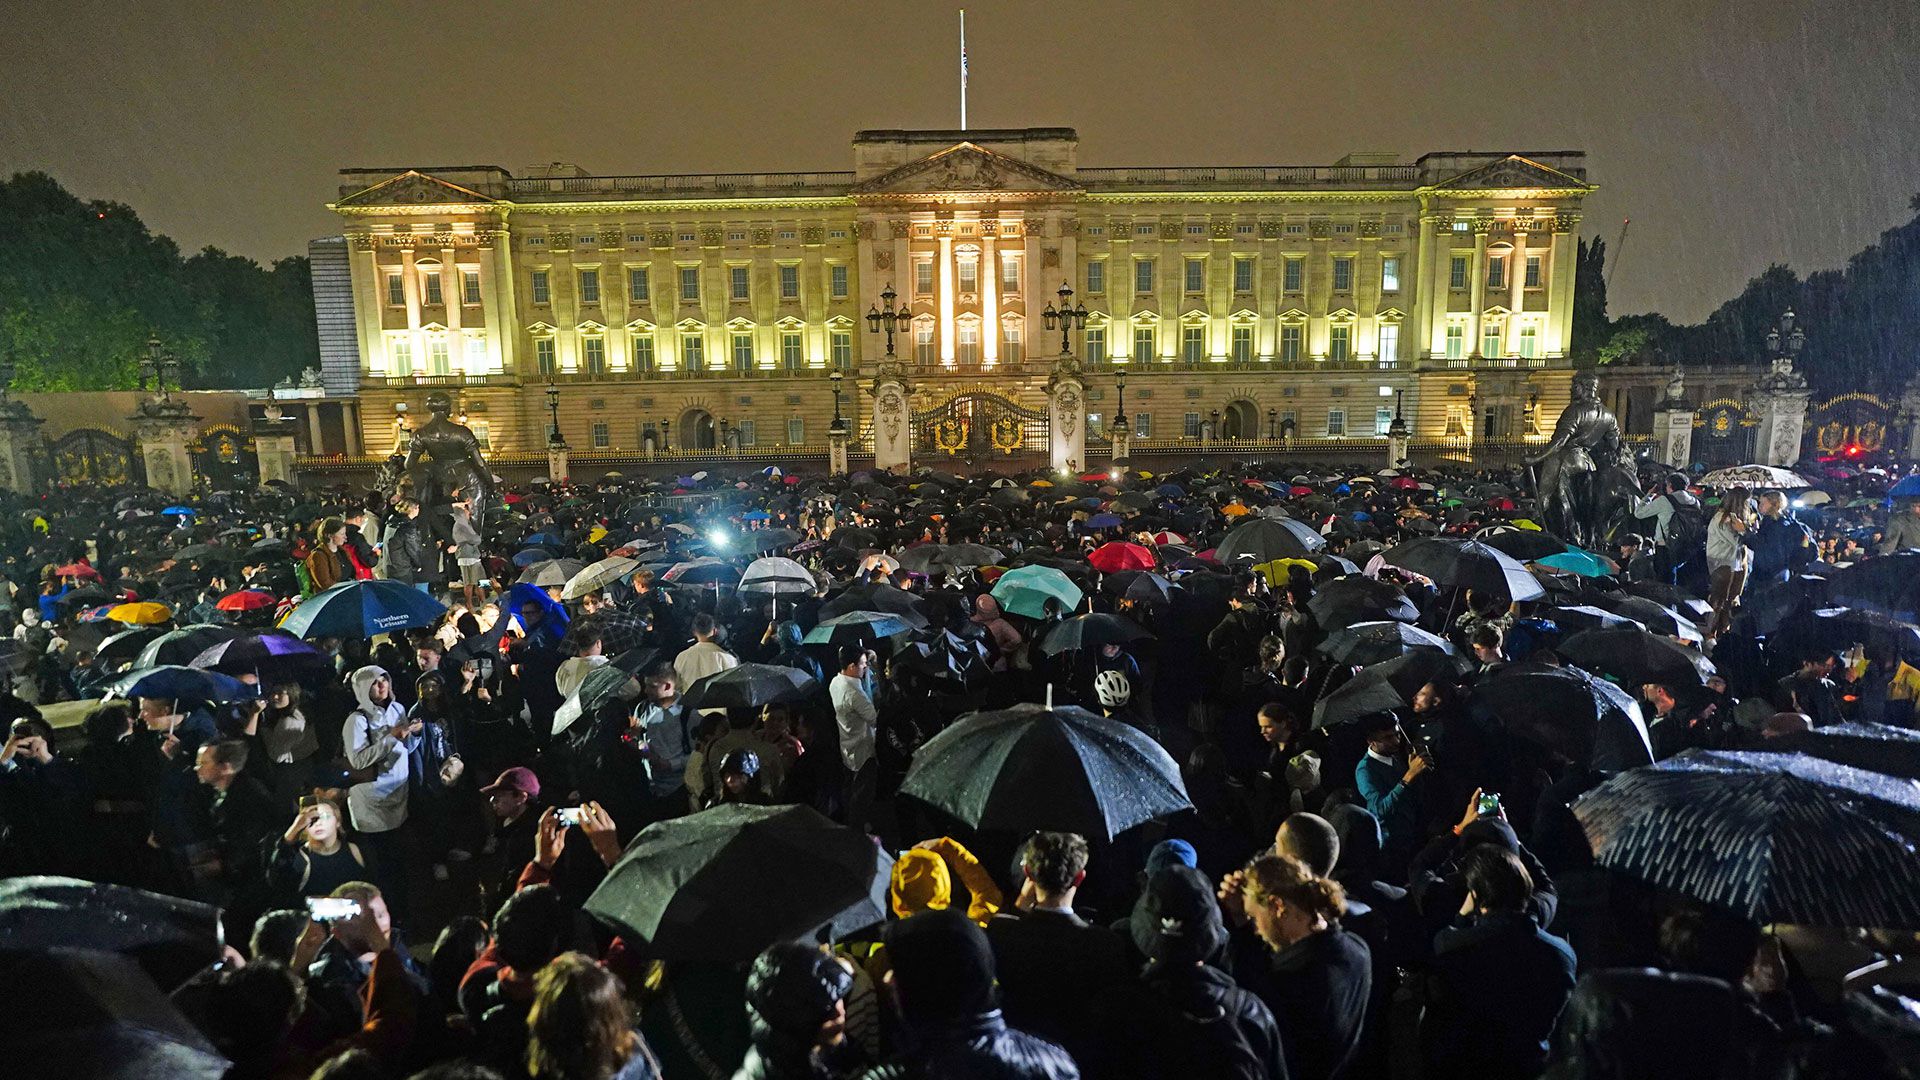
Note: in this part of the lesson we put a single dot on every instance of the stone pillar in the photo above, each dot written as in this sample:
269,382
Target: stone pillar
19,430
1782,399
1673,434
1910,408
839,437
1067,416
162,428
892,420
273,446
1122,440
557,452
1399,444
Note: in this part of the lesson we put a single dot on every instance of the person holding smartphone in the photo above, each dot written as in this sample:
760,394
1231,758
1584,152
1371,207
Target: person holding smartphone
311,858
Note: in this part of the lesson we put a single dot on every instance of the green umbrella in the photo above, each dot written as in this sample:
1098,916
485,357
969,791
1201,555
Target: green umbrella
1025,590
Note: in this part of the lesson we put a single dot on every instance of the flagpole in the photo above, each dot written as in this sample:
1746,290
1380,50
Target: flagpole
963,69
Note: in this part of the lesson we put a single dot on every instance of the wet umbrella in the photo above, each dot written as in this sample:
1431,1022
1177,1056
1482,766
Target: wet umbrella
775,576
1526,545
182,645
704,570
696,887
97,1015
362,609
272,655
1091,631
948,657
1636,656
1758,477
1889,584
1360,599
1376,642
1030,767
1773,838
124,647
77,570
1466,564
1841,628
247,600
597,576
1265,539
1113,557
877,596
1385,686
1574,617
605,683
857,628
750,686
550,573
145,613
172,939
178,683
1140,586
855,537
1570,712
1027,590
1654,616
1578,562
770,539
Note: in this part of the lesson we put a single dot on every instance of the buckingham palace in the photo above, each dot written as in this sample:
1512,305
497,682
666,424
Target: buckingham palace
932,294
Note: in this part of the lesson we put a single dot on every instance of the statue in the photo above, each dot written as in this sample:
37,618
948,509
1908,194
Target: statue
443,466
1586,474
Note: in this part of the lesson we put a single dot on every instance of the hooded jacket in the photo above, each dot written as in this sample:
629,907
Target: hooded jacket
380,804
923,881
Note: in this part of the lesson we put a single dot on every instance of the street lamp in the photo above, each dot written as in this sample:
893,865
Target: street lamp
666,434
161,366
1213,424
1120,414
890,318
839,422
1069,317
1398,429
723,435
1273,422
1785,341
553,414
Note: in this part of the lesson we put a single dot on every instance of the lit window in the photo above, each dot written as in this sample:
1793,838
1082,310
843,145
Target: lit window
837,280
470,286
1243,275
1190,425
737,283
968,341
1243,344
1292,275
1456,341
689,284
542,292
1143,276
1340,343
396,290
1336,422
1529,341
476,361
1382,420
402,356
923,341
1011,341
1460,226
1143,425
1390,274
796,431
790,352
1097,276
745,434
589,286
969,275
595,351
1143,350
601,437
434,295
1342,275
1009,273
1389,343
482,433
1193,344
1096,344
1196,230
543,355
1490,340
923,277
693,352
1457,272
643,352
1343,228
638,289
789,282
1290,341
743,352
1196,275
1295,229
1533,272
840,345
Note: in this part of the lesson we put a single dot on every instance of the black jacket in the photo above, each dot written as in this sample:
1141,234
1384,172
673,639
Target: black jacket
1183,1022
1318,989
1498,986
980,1048
405,552
1053,968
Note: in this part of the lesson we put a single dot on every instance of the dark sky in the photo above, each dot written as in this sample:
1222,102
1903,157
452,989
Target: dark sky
1734,134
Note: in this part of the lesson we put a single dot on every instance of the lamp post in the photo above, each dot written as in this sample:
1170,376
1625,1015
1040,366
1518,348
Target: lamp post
666,434
1068,317
1213,424
890,319
1120,386
553,414
723,435
1273,422
160,365
1785,341
839,422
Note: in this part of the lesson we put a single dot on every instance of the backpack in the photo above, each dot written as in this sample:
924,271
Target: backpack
1687,527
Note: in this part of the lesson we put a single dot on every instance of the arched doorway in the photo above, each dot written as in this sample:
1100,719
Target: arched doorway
1240,420
696,430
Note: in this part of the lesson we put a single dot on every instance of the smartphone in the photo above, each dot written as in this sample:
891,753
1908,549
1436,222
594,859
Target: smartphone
308,802
570,816
1489,805
330,909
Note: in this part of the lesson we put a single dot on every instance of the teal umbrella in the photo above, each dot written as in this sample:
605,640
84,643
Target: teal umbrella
1025,590
1578,561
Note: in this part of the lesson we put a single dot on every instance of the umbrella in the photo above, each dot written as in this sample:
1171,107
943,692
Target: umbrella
526,557
696,887
1140,586
704,570
1881,748
968,556
146,613
1525,545
177,683
877,596
1030,767
1376,642
551,573
1654,616
1466,564
776,576
247,600
77,570
1568,711
1116,556
1105,521
1265,539
770,539
179,511
750,686
182,645
1582,617
97,1015
273,655
857,628
1889,584
606,682
1360,599
1774,838
1092,631
591,579
1026,590
1841,628
1578,562
1755,476
948,657
880,561
124,647
1385,687
1636,656
361,609
171,938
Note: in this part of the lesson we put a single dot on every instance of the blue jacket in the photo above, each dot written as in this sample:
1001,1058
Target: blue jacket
1780,545
1389,800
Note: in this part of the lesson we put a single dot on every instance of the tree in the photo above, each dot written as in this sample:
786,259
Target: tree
1636,339
1590,325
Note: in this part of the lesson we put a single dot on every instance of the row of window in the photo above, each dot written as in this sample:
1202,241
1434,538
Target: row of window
1496,272
693,352
1194,275
967,274
1240,350
1493,335
432,291
739,284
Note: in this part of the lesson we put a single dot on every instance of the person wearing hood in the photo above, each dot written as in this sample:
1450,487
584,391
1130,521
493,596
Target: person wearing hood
797,1016
1186,1017
1006,640
1434,880
941,987
923,879
375,741
786,637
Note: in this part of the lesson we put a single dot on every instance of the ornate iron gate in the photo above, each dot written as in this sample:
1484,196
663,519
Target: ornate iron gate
92,456
225,456
1723,434
1850,420
979,425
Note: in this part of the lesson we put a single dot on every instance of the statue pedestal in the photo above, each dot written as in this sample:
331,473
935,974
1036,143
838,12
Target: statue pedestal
19,431
273,447
1673,434
1399,446
892,420
838,440
1122,441
1066,415
161,431
557,465
1910,405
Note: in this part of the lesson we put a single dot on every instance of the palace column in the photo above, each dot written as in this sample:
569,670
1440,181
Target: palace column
1516,293
989,276
1422,314
1782,397
1673,426
273,445
19,431
945,231
1477,285
162,428
892,419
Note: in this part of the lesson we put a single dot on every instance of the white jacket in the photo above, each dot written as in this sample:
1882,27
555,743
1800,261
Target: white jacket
380,804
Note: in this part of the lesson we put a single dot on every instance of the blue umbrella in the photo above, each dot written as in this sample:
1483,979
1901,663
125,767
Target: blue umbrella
359,609
1908,486
546,538
184,511
1088,503
176,683
755,515
857,627
1578,561
1105,521
524,559
1171,491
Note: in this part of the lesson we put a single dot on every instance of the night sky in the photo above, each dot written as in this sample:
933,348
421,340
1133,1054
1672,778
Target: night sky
1734,134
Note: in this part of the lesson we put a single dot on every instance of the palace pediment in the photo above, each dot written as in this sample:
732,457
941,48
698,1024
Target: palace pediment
965,167
1513,171
413,188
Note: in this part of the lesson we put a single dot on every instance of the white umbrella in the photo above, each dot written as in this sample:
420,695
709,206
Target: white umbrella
598,576
1754,476
776,576
886,562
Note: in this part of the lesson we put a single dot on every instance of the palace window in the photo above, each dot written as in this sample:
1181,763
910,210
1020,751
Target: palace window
693,351
1496,272
837,280
1243,275
791,355
1243,344
638,289
1390,274
1193,344
1143,349
1456,341
397,290
923,342
1342,275
1011,341
1461,226
594,349
836,234
968,340
1143,425
482,433
476,361
1097,277
1389,344
1143,276
1343,228
602,438
542,290
840,347
589,286
1533,272
1382,420
1009,273
1529,342
543,355
1457,272
690,284
586,239
786,234
1145,230
434,296
789,282
437,356
1195,229
470,286
736,236
1292,276
1290,341
1096,344
969,274
643,352
738,285
1336,423
1490,340
687,236
745,433
796,431
1296,229
923,277
1340,343
743,352
1190,425
1196,275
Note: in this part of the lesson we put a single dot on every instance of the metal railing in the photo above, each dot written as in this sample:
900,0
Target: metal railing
769,184
396,381
1246,176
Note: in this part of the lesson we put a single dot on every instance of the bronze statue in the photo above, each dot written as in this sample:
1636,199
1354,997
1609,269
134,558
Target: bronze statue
443,466
1584,468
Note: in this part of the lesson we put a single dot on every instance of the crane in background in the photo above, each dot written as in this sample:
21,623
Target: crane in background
1619,245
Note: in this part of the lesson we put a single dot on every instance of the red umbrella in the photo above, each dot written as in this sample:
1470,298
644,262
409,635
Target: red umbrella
1300,489
1094,477
1111,558
246,600
1166,536
1404,483
989,574
77,570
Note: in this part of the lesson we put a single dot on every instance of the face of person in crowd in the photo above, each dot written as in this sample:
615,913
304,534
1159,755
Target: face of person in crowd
1278,924
1274,730
157,713
1388,742
662,689
1427,699
428,657
507,803
323,825
210,771
858,669
1486,654
431,690
381,691
734,782
336,539
532,614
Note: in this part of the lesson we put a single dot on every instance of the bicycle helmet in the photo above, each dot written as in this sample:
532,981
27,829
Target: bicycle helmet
1112,689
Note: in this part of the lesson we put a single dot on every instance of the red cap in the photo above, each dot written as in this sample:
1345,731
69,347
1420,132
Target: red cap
517,779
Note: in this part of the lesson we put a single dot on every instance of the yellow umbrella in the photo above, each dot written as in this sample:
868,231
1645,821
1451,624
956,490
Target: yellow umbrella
598,532
1525,523
1277,570
1041,483
145,613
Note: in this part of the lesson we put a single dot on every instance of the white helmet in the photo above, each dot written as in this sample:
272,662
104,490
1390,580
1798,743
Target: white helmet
1112,689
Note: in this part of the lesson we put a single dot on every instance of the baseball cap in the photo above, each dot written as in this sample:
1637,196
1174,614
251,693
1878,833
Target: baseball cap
517,779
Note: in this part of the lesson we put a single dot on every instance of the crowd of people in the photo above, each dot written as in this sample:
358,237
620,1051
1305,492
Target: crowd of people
402,830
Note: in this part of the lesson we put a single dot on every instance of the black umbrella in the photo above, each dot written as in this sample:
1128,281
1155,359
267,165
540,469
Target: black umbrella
1375,642
1091,631
1265,539
749,686
1841,628
1576,617
1526,545
724,884
1030,767
78,1012
604,684
769,539
1384,687
124,647
1774,838
1466,564
1636,656
1360,599
182,645
1570,712
1881,748
1889,584
1141,586
858,628
855,537
1654,616
272,655
948,658
877,597
171,938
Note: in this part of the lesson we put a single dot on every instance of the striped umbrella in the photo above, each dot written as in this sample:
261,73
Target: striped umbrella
1774,838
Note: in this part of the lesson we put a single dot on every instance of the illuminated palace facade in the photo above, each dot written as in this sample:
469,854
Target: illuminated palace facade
1280,307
